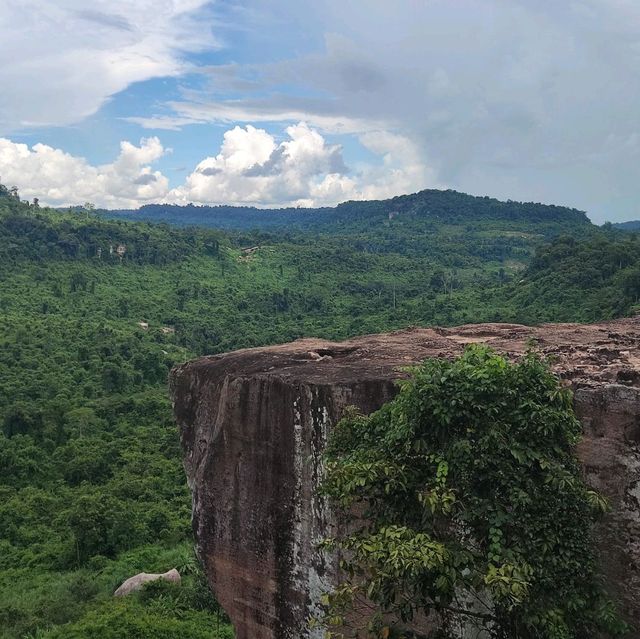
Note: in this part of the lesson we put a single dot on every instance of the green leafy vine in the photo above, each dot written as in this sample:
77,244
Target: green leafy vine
462,499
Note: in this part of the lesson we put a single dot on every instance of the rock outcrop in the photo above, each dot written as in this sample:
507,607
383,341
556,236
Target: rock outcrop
254,423
138,581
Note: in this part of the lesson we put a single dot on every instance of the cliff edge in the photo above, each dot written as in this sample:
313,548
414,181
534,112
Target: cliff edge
253,425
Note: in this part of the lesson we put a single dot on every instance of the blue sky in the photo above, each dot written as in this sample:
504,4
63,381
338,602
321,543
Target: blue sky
312,103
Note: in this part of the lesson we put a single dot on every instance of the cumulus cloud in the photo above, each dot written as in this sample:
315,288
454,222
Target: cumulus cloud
302,170
61,179
252,167
529,99
60,61
404,167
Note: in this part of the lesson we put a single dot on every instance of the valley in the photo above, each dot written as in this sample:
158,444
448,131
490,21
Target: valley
97,308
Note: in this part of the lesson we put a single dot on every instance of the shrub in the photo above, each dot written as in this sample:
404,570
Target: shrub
472,503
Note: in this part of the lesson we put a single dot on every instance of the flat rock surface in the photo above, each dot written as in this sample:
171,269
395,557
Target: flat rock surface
608,352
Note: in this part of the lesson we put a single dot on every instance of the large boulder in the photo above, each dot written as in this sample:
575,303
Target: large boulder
138,581
254,423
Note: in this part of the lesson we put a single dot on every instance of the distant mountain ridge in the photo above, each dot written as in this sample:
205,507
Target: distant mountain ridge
430,204
631,225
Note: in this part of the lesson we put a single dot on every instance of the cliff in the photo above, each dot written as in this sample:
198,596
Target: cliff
253,425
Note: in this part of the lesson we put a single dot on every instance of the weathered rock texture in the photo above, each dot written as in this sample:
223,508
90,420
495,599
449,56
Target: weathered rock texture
254,423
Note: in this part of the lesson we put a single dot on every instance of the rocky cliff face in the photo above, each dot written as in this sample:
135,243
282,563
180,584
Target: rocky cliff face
254,423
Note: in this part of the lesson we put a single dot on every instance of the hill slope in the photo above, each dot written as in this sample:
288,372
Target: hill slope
427,206
96,311
633,225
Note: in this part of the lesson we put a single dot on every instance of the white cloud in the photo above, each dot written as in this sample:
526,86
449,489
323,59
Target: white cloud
245,111
252,167
404,168
529,99
60,179
302,170
60,61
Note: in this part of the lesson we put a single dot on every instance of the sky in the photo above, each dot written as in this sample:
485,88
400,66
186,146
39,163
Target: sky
310,103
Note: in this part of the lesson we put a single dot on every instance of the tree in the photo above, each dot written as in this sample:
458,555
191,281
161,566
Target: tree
471,505
78,282
21,419
103,525
631,283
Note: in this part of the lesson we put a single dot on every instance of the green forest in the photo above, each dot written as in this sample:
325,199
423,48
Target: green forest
96,309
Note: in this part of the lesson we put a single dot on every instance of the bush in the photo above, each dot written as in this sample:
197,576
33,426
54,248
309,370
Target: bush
470,493
129,620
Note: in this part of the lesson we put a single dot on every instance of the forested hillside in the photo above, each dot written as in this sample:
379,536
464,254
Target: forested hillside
429,206
632,225
96,311
91,483
577,281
